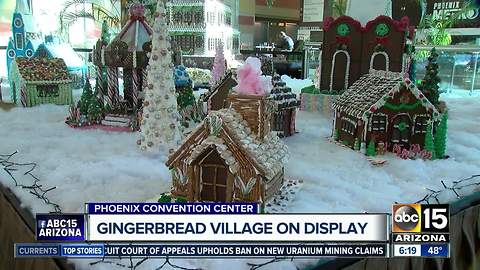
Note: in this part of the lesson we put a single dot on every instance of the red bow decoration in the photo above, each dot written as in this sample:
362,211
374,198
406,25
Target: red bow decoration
382,40
343,40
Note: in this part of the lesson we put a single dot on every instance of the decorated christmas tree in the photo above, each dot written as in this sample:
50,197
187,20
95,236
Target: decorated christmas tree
441,136
183,84
431,81
160,131
94,109
219,67
429,145
85,98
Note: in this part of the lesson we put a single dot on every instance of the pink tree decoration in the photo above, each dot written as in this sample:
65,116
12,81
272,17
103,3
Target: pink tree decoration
219,67
250,79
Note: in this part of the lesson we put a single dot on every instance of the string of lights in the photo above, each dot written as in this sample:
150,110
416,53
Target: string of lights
36,188
456,188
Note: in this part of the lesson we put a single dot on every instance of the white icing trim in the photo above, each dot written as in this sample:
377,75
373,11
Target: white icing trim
387,60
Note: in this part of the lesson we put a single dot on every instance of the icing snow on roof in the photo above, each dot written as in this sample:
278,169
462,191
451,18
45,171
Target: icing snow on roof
372,89
366,91
66,52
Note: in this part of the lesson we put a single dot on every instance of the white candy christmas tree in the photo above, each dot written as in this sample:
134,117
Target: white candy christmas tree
218,65
160,131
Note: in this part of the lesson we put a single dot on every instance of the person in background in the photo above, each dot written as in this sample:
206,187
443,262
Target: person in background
286,42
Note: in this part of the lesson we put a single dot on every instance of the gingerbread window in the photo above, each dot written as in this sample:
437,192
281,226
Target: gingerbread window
348,127
379,123
421,123
47,90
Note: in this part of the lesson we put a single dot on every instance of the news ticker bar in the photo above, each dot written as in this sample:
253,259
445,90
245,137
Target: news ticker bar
28,250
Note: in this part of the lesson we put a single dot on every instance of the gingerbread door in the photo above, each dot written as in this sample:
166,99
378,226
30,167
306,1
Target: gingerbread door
400,130
213,178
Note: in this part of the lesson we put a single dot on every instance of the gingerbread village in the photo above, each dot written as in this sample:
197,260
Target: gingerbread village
228,144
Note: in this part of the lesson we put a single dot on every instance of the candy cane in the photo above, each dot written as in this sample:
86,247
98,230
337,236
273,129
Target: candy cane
404,154
23,93
116,92
144,79
100,89
135,87
112,81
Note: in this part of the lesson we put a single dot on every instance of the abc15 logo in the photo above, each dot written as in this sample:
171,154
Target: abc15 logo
416,218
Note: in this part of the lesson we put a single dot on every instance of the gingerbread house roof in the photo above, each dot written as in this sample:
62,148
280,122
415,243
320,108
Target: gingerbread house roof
229,75
43,69
135,33
371,91
233,138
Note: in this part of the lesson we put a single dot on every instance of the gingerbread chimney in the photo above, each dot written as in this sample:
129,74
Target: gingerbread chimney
256,110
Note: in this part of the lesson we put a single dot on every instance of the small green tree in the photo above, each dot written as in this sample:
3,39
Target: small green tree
86,97
336,134
429,145
185,97
371,151
94,109
441,136
105,33
165,199
431,80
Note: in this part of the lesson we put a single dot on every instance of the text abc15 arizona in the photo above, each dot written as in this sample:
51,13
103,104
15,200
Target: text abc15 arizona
413,223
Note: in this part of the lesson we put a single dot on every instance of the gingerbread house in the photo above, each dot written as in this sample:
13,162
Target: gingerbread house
350,50
231,156
39,80
126,55
384,107
285,110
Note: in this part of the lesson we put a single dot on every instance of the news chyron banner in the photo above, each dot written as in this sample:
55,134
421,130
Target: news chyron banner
420,230
196,230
